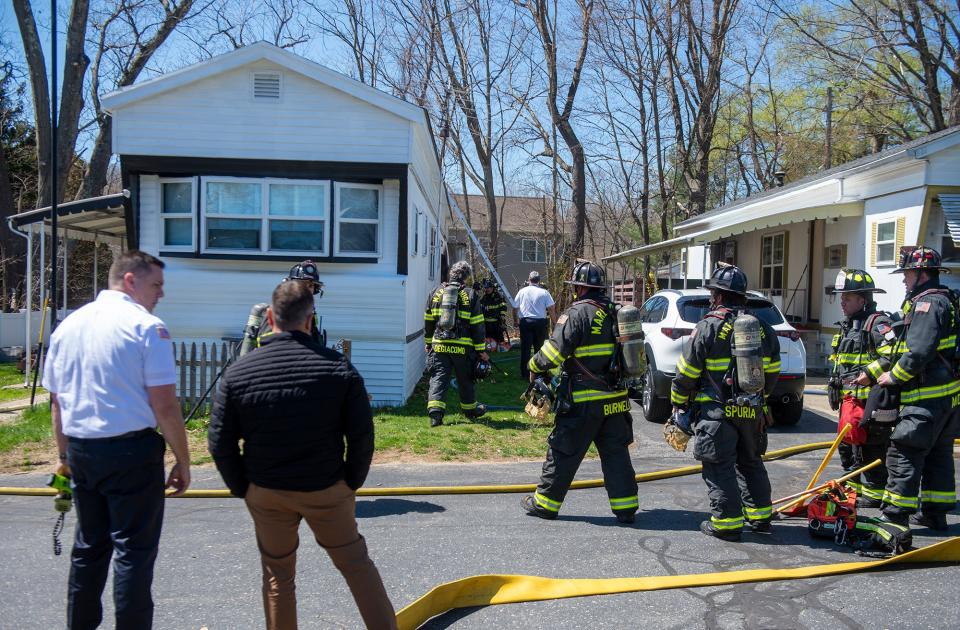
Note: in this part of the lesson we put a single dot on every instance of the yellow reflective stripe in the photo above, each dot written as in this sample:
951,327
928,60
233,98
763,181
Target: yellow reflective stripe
429,317
472,405
934,496
625,503
772,368
900,374
856,392
899,500
727,523
855,485
885,350
875,370
850,358
586,395
436,404
704,398
871,493
546,502
926,393
460,341
870,527
755,514
479,347
551,353
835,340
477,319
686,369
596,350
718,365
947,342
677,398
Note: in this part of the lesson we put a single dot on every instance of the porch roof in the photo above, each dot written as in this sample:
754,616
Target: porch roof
101,218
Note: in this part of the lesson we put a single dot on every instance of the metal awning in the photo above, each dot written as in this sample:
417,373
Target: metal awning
645,250
951,212
97,218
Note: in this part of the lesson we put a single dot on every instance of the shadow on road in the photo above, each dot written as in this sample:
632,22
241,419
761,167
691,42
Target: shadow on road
449,618
392,507
810,422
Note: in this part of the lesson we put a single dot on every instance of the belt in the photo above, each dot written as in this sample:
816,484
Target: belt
129,435
533,319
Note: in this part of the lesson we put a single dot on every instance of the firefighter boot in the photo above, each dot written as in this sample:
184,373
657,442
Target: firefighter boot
625,517
476,412
869,502
902,520
436,418
530,505
730,536
760,527
936,521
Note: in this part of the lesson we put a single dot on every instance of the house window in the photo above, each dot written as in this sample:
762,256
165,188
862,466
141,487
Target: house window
885,250
265,216
177,209
772,253
724,251
532,251
434,252
358,212
424,243
835,257
949,251
416,232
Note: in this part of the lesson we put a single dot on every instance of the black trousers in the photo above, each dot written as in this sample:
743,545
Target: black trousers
533,332
443,366
568,443
118,492
920,463
871,483
737,482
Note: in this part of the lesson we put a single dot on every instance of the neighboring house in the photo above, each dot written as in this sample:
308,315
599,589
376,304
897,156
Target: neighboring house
243,165
792,241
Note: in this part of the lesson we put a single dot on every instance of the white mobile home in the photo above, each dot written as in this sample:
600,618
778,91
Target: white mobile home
245,164
791,241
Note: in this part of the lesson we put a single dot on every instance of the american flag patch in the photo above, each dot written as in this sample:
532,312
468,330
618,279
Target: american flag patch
923,307
162,332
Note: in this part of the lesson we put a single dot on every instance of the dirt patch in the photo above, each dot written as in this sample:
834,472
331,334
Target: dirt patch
29,457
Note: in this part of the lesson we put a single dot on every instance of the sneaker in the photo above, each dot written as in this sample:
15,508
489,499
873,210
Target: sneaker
625,517
530,505
760,527
934,521
436,419
730,536
868,502
476,412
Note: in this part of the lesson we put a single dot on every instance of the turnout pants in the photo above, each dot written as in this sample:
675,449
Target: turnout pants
920,459
612,432
443,366
330,515
737,482
118,491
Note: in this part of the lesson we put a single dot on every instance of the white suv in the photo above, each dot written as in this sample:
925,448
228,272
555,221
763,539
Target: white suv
669,317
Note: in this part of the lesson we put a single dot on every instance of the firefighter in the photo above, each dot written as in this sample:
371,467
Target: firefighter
920,463
730,427
454,334
257,325
494,308
591,407
861,341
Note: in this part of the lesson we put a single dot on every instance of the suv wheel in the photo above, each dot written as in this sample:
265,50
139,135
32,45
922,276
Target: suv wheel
787,414
655,409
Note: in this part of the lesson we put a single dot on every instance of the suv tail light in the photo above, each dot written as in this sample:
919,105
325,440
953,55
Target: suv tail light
676,333
792,335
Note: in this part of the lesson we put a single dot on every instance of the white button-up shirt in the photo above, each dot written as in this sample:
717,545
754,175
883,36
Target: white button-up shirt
101,360
533,301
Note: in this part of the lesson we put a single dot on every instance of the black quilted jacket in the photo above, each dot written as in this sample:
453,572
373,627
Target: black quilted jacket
293,403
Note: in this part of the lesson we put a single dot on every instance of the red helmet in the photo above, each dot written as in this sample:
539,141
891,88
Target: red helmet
920,258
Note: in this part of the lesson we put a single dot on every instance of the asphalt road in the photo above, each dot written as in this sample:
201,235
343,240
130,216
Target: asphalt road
208,574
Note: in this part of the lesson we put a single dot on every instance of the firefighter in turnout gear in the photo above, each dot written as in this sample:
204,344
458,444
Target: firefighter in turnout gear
861,340
591,406
494,308
730,426
258,327
923,365
454,334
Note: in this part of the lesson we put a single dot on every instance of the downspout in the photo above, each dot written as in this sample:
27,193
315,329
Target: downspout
839,190
813,227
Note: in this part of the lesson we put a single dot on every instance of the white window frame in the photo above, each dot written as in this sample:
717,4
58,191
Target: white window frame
434,251
265,217
538,248
773,264
415,246
178,215
893,241
337,187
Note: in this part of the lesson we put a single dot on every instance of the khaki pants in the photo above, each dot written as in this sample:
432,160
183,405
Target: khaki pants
330,513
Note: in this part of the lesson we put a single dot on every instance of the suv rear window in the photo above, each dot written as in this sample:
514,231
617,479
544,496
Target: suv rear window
693,309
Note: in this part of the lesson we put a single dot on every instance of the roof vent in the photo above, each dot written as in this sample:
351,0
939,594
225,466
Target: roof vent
266,86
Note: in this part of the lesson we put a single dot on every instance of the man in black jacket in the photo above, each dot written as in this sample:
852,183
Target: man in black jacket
294,403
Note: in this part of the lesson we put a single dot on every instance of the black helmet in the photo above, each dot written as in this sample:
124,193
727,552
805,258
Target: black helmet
920,258
481,370
729,278
488,283
587,274
306,270
854,281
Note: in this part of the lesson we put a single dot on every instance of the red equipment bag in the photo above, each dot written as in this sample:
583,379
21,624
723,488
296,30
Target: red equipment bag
851,412
832,513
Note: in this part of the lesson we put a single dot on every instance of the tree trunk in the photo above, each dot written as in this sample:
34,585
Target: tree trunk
12,246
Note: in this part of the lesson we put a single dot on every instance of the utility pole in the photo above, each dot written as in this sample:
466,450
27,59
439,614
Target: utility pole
828,135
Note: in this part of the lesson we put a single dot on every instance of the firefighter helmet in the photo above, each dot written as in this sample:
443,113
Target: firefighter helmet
488,283
587,274
729,278
481,370
854,281
920,258
306,270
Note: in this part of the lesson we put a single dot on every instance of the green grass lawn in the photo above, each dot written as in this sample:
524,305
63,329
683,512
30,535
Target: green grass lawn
402,433
10,376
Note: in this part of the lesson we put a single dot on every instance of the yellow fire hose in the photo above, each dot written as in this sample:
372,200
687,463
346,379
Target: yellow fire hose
487,590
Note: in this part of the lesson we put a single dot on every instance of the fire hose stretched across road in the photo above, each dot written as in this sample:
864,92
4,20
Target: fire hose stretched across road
487,590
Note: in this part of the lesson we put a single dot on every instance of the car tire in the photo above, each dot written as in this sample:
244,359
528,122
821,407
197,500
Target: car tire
656,410
787,414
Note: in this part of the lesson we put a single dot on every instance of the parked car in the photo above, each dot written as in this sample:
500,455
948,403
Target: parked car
669,317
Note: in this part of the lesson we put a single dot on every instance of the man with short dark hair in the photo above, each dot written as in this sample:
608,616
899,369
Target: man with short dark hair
294,404
111,377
